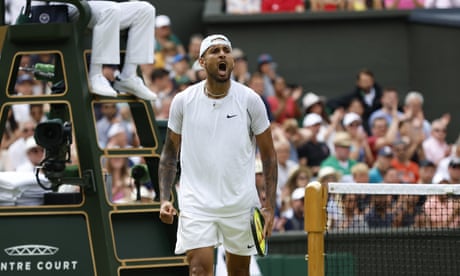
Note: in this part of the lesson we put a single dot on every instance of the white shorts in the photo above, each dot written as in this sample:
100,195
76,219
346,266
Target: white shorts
234,233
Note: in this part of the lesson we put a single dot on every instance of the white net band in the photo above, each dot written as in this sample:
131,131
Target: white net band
397,189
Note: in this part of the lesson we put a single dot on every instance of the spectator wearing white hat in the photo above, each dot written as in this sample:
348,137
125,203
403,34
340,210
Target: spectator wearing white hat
118,135
35,155
296,221
328,174
312,103
359,150
313,152
164,33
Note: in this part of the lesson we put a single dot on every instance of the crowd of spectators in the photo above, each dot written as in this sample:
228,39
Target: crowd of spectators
299,6
371,134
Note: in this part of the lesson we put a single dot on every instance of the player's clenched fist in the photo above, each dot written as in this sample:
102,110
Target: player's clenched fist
167,212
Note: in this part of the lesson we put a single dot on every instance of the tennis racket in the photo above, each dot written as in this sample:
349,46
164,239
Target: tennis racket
257,229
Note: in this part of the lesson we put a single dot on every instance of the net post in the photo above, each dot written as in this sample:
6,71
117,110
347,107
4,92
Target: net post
315,225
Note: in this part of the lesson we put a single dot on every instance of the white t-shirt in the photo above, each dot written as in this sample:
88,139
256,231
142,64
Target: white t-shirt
218,149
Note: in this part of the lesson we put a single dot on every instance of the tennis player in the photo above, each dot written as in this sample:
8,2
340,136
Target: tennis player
217,125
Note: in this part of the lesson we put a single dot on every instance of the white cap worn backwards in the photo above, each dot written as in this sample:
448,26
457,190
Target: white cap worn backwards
212,40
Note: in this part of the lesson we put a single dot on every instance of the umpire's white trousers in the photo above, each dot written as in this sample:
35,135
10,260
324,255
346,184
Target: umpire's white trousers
108,18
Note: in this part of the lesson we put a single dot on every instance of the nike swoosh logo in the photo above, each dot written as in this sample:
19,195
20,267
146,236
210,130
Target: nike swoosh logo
251,246
231,116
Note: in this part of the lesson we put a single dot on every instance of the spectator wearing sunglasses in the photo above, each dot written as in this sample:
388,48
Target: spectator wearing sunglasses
435,146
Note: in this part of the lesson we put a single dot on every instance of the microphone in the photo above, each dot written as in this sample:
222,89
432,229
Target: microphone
140,173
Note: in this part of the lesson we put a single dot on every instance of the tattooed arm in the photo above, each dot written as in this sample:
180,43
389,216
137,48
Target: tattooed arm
167,175
270,170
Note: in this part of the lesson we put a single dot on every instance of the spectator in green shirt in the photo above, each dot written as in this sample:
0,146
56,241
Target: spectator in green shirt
340,160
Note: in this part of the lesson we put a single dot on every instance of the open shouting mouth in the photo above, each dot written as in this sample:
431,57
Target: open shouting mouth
222,68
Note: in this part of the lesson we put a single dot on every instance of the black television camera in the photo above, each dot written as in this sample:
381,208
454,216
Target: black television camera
55,137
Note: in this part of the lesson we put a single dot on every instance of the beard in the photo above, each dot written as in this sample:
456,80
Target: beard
219,78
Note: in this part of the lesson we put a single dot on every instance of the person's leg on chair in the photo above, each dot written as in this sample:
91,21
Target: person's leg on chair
105,22
139,18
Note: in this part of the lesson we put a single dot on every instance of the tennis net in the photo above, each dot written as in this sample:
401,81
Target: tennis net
393,229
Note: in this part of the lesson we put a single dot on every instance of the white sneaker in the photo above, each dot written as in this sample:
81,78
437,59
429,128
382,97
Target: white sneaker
135,86
101,86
